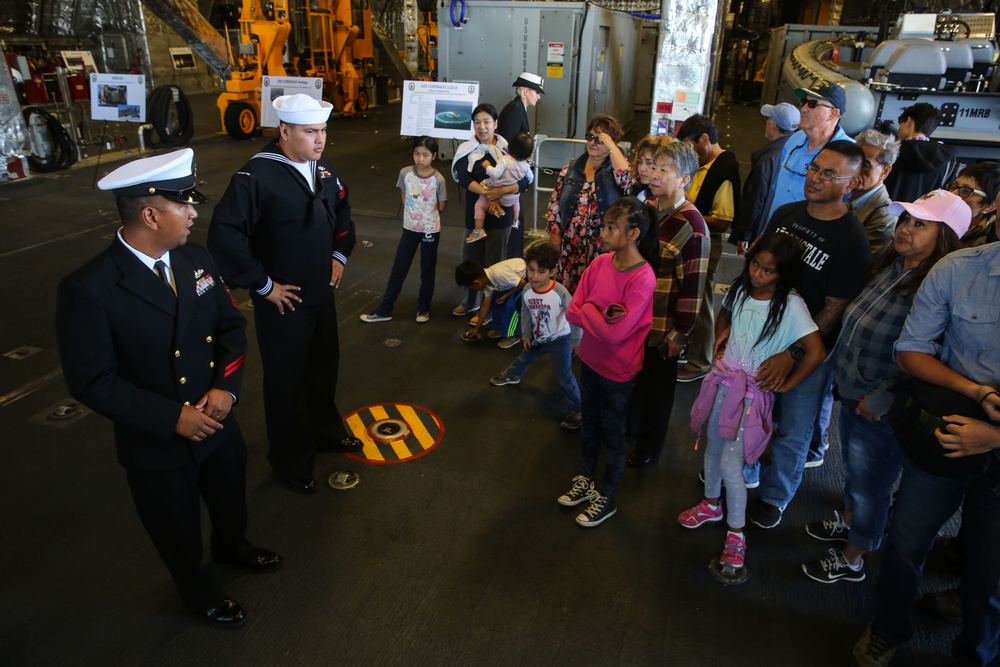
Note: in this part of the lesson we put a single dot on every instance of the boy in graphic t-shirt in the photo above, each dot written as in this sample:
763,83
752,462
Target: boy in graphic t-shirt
544,329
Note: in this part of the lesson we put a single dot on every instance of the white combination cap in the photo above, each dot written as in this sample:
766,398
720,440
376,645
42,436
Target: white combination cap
529,80
300,109
170,175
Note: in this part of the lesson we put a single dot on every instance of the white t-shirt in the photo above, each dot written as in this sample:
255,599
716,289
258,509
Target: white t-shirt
748,323
420,214
504,275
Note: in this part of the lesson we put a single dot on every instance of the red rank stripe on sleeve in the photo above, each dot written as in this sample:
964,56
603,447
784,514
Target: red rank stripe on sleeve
233,299
235,366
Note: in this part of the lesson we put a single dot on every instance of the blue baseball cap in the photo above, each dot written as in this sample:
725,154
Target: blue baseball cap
825,90
786,116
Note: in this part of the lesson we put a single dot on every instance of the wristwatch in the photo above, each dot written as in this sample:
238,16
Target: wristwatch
796,352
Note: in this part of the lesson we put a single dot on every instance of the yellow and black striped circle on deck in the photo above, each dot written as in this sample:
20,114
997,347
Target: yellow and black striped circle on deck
423,432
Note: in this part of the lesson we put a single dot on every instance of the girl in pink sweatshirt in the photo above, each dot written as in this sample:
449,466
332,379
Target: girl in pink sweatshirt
613,306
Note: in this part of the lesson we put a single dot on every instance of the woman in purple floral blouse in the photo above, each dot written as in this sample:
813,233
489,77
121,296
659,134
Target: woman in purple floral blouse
585,189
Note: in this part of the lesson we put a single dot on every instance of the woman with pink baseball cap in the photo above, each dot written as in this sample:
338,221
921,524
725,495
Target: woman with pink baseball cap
867,375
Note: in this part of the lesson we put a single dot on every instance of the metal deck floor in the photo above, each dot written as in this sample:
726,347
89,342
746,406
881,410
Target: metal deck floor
461,557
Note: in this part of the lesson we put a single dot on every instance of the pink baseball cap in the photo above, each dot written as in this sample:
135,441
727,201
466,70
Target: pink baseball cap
939,206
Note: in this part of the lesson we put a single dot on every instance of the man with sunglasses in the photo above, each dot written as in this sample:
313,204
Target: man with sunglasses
836,255
823,103
924,164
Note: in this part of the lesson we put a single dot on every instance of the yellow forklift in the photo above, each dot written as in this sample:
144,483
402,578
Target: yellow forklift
335,44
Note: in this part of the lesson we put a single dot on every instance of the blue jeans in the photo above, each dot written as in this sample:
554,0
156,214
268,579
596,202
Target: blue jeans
798,412
872,461
561,350
725,463
924,504
605,404
407,248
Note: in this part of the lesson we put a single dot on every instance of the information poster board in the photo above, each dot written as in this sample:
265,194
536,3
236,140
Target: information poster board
273,87
118,97
441,109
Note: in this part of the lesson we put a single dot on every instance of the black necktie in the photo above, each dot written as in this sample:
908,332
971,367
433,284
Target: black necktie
161,270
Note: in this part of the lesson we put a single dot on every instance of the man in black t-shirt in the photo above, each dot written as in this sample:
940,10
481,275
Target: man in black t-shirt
836,254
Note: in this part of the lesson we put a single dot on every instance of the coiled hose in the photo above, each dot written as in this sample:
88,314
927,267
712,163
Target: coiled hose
64,152
169,112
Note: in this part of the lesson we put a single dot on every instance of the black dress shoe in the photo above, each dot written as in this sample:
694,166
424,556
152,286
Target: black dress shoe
229,614
303,485
260,560
637,460
348,444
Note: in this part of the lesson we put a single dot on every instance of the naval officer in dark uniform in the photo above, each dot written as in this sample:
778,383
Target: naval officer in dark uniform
150,338
283,230
513,120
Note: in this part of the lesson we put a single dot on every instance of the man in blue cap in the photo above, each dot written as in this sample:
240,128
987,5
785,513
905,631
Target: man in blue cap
782,120
150,338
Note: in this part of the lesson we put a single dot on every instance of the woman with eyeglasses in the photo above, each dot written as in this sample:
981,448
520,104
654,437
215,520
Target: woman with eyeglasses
468,168
866,376
585,189
979,184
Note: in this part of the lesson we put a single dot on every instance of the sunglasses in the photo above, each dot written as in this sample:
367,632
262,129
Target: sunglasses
595,138
812,103
964,191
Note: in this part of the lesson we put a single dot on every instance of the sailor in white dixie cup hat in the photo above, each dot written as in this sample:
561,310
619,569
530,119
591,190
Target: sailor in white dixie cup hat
300,109
170,175
283,231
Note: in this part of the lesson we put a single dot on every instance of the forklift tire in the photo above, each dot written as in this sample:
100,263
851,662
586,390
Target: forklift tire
362,104
240,120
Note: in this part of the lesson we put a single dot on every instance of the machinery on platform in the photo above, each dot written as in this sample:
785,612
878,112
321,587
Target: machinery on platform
334,43
948,60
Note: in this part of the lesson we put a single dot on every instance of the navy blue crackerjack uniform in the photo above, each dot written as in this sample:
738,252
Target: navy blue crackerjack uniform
136,354
273,225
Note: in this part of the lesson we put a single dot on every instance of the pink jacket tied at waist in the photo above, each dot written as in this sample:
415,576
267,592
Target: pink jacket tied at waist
757,425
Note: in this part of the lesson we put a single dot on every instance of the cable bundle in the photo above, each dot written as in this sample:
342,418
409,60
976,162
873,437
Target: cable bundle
64,152
172,121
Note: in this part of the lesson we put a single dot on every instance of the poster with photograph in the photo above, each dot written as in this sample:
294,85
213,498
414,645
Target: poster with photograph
273,87
118,97
441,109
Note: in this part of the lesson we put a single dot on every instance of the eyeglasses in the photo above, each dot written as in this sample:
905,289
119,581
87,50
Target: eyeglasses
812,103
964,191
595,138
825,175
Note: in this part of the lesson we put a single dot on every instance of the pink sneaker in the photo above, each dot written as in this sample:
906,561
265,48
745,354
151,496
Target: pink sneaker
733,552
699,514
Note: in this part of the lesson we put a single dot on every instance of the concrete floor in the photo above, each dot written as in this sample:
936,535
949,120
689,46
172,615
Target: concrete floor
461,557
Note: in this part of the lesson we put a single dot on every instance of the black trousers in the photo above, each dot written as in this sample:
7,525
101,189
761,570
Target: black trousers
653,401
300,354
168,505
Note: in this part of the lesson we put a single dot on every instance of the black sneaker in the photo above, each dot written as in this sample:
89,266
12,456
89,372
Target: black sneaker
572,421
583,489
833,568
601,509
501,379
766,515
834,530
